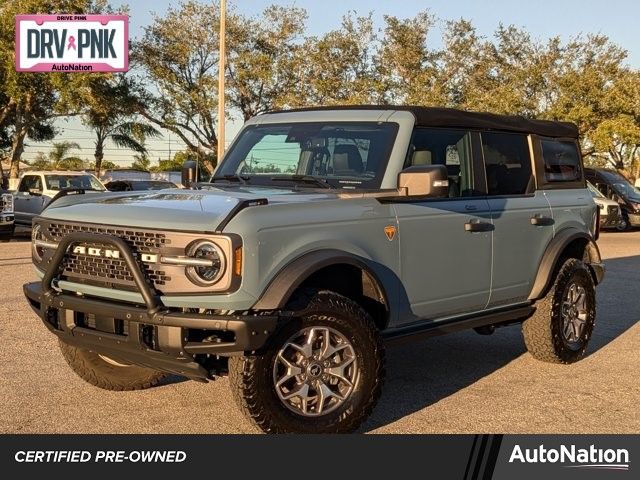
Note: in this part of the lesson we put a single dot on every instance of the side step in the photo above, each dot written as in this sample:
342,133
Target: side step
432,329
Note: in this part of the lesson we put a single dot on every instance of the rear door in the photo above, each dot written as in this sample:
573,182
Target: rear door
445,244
564,184
521,214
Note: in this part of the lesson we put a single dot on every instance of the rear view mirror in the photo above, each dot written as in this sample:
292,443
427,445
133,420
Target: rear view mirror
35,192
189,173
425,181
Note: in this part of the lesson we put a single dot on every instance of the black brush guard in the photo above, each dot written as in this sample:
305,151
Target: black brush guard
156,336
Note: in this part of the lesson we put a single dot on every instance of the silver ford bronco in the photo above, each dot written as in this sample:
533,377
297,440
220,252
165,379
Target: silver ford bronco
323,234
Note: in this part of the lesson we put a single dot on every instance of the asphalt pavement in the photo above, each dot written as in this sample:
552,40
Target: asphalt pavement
460,383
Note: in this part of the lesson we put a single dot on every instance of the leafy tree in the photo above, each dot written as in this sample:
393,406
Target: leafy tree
141,162
262,59
337,68
407,67
181,75
30,101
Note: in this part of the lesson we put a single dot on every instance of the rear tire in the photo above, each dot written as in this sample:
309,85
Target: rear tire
107,373
561,327
322,372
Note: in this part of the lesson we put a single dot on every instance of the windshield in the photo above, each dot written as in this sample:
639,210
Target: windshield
594,191
627,191
59,182
342,154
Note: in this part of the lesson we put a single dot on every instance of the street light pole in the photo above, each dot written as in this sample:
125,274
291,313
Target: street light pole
223,13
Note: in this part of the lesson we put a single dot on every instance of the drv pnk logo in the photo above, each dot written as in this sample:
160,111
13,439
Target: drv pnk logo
72,43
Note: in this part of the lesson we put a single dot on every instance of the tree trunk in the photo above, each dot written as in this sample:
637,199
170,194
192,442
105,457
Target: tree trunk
98,155
17,147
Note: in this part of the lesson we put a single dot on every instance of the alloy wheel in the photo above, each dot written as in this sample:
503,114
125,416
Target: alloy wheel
315,371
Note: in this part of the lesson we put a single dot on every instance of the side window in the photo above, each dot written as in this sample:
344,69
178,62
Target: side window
435,146
561,161
508,164
30,182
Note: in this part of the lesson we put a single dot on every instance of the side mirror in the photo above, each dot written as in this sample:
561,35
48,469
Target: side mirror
35,192
425,181
189,173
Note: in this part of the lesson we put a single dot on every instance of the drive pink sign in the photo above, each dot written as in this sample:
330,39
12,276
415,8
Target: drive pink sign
72,43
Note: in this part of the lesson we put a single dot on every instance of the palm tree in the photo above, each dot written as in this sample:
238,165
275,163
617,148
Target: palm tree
112,115
57,158
123,134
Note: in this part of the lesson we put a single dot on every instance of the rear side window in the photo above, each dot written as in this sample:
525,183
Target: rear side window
508,164
561,161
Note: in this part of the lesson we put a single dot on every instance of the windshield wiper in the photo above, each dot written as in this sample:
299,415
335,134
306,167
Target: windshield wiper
232,177
307,179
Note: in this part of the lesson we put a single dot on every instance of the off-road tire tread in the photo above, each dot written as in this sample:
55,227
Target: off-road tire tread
79,359
539,339
242,369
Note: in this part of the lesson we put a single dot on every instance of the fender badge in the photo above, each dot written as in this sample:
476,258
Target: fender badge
390,232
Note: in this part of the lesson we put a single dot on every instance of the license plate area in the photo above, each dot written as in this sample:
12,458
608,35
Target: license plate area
102,324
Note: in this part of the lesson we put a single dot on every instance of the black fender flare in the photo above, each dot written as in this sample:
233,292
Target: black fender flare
553,253
289,278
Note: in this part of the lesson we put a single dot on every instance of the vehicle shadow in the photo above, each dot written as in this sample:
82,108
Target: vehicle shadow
421,373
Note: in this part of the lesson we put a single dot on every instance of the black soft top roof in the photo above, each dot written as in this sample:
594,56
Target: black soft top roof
450,117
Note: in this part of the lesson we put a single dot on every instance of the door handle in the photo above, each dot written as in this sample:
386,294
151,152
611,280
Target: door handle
470,208
478,226
541,221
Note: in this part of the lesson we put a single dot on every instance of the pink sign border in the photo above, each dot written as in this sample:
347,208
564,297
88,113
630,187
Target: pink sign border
97,67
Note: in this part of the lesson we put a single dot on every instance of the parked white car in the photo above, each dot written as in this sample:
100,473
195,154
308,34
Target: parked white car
36,189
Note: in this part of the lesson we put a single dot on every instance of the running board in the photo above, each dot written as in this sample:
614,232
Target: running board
432,329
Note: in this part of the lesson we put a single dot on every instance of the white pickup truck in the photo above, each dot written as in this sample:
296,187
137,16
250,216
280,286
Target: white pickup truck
36,189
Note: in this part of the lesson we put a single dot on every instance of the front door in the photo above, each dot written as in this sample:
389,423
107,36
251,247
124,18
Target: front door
445,244
28,200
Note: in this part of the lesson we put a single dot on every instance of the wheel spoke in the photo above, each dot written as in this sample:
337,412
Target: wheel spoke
567,330
306,349
292,370
581,300
324,394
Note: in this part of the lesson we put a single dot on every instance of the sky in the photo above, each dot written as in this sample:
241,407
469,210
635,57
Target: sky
618,19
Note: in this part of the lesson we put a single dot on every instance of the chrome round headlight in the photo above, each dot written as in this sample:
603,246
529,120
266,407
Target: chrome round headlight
206,275
36,234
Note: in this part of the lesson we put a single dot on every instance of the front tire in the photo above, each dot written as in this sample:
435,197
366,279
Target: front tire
321,373
107,373
561,327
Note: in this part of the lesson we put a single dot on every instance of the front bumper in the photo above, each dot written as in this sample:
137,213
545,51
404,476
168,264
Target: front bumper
6,219
156,336
634,219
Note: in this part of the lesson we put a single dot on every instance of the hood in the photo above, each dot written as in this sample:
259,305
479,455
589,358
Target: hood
603,201
174,209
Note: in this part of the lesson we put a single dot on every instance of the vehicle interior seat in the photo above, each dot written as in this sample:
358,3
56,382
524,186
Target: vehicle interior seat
421,157
347,160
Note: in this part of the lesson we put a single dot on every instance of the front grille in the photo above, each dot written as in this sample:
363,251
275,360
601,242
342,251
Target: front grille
110,269
111,272
613,211
102,270
140,241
